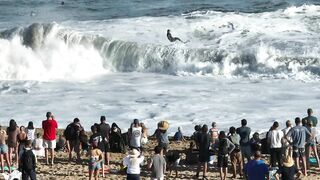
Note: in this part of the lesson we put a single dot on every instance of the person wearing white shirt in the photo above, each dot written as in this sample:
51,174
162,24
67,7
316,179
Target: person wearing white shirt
133,161
274,138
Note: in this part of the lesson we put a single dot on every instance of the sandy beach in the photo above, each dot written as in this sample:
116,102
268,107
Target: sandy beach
62,169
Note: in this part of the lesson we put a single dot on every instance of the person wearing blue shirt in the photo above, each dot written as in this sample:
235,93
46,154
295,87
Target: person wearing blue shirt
256,169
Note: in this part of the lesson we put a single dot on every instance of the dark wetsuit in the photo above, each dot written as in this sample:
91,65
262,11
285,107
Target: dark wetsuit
172,39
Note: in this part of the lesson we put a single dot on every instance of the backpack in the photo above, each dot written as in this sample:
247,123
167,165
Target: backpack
223,146
28,160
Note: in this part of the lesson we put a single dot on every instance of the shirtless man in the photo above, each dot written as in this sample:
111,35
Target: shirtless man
4,150
173,39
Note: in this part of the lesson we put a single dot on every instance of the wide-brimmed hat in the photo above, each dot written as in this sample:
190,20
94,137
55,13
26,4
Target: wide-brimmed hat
163,125
134,153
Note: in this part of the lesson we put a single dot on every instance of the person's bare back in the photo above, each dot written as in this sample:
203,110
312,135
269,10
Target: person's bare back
3,137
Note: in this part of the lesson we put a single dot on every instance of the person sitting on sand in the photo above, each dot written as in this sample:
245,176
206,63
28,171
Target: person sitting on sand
178,136
116,141
37,145
4,150
96,158
157,164
172,39
132,162
288,169
61,143
27,162
256,169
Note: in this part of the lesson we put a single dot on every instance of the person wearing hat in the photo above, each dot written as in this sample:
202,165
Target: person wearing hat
162,135
132,162
288,169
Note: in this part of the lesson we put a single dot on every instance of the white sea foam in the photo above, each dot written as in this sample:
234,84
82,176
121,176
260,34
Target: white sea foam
280,44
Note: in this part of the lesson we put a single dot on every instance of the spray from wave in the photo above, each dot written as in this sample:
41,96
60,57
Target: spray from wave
51,51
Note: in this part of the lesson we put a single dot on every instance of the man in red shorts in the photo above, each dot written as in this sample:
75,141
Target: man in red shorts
49,127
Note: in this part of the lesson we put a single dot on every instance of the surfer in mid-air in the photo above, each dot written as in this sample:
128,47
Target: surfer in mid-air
173,39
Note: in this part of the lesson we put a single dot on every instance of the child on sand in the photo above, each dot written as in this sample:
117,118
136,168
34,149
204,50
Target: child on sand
95,160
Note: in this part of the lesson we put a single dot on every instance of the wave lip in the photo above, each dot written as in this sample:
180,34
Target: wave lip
249,48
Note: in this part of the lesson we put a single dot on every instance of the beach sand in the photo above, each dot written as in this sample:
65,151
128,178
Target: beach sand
62,169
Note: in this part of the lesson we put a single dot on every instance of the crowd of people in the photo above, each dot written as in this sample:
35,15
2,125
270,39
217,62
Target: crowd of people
290,149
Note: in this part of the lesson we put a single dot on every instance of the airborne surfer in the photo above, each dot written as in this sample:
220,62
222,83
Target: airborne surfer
173,39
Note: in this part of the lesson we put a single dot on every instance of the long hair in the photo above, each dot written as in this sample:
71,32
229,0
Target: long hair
30,125
12,125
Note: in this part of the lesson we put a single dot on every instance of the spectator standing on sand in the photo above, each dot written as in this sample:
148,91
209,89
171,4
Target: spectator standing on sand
162,135
132,162
312,119
286,141
214,133
135,133
204,145
27,162
73,133
13,131
144,137
274,140
244,133
97,139
235,155
95,159
49,127
104,129
225,148
256,169
22,138
4,150
157,164
298,135
30,131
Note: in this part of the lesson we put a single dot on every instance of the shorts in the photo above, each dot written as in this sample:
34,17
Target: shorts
3,149
298,152
94,166
236,158
204,157
49,144
246,151
223,161
74,145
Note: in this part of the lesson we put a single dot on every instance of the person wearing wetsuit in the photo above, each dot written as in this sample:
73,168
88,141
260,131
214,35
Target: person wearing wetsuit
172,39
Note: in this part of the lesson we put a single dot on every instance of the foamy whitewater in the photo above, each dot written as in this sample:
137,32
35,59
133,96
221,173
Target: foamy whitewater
254,60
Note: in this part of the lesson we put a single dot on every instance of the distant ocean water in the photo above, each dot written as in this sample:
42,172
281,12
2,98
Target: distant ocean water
92,58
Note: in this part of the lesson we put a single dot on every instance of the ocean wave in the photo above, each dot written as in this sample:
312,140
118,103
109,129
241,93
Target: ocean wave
253,48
